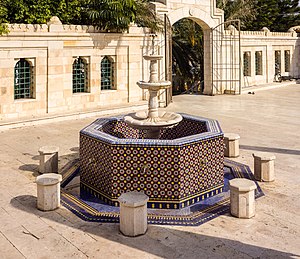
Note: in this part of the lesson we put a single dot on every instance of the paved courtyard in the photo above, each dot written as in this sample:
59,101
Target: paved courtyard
267,121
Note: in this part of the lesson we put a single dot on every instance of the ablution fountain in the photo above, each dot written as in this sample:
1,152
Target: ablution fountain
176,159
153,120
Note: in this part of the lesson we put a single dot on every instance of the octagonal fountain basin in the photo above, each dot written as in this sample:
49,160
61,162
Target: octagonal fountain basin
182,167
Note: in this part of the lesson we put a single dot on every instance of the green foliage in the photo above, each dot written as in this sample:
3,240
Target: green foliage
38,12
267,11
70,11
187,52
146,17
112,14
28,11
3,20
244,10
275,15
289,15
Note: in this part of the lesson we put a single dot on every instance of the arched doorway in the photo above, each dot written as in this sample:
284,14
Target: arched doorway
221,46
187,57
201,16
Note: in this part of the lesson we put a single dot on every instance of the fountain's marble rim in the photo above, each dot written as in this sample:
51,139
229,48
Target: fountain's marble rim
153,57
154,85
140,120
94,130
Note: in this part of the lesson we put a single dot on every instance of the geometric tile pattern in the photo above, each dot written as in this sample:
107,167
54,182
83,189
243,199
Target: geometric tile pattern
93,209
174,174
121,129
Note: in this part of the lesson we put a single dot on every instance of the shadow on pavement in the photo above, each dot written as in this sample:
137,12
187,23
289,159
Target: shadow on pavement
30,168
165,242
273,150
62,162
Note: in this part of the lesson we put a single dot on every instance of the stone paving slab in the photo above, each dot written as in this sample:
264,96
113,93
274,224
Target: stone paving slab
268,121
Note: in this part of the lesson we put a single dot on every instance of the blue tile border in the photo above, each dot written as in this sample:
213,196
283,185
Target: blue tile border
94,130
194,215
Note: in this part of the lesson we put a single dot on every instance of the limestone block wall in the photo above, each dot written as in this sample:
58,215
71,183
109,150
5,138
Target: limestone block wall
51,50
267,43
204,11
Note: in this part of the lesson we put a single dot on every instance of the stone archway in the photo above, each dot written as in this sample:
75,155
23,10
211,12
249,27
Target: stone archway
205,14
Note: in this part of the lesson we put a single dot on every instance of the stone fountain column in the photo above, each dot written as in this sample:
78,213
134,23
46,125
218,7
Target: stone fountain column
153,94
153,105
153,120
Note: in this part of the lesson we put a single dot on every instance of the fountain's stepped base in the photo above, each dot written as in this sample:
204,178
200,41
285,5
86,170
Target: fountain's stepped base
93,209
183,167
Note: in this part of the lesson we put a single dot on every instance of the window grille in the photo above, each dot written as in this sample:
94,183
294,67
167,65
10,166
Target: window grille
23,80
277,61
107,74
258,62
247,63
80,72
287,60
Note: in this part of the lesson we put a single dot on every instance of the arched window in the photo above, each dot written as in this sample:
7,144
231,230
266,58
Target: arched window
23,85
277,61
247,63
287,61
107,74
258,62
80,80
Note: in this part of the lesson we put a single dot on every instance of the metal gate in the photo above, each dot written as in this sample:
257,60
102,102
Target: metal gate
168,57
226,58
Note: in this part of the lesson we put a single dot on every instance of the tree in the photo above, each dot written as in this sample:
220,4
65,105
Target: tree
289,15
117,15
275,15
39,12
146,16
3,18
70,11
187,52
267,11
244,10
111,14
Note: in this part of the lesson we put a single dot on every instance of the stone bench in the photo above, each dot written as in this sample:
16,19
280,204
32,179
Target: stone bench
133,213
264,164
232,145
48,159
242,197
48,191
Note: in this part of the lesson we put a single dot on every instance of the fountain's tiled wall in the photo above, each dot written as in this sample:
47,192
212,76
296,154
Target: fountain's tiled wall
184,166
121,129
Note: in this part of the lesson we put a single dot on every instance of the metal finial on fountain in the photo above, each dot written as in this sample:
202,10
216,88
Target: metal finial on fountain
153,120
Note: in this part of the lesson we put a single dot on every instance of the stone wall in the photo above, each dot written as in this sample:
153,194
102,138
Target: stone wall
267,43
51,50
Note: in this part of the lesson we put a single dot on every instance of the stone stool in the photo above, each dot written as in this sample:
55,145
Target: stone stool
264,167
133,213
48,159
242,198
48,191
232,145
